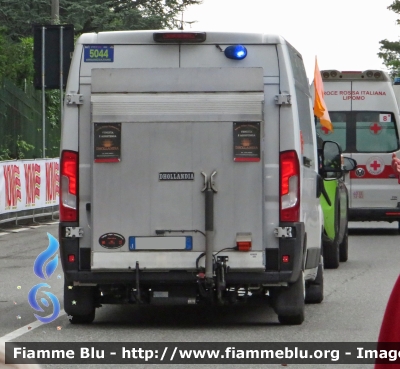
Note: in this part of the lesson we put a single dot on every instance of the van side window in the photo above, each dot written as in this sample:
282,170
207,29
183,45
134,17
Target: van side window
362,131
303,105
339,133
375,132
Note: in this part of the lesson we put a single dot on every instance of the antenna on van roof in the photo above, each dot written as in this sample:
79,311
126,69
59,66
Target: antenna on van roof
182,22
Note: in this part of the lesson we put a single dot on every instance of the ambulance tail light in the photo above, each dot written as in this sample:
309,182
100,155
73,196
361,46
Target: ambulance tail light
69,186
289,187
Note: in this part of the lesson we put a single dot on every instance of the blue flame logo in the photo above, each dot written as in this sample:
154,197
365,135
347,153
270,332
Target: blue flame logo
44,271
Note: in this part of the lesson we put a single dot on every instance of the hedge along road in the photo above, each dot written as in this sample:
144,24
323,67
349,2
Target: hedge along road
352,310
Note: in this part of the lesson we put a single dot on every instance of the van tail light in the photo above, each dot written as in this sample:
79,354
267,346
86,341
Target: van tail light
174,37
243,241
289,187
69,186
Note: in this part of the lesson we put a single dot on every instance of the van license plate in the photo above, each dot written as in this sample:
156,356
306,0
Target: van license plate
160,243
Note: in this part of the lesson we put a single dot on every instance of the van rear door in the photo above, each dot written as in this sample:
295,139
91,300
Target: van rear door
154,132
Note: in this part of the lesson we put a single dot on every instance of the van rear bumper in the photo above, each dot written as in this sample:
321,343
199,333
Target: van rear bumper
374,214
275,272
174,277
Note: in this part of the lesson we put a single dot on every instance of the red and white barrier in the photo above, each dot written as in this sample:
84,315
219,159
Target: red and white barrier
29,184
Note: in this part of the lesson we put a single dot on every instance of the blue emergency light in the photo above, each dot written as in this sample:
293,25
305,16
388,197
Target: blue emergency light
236,52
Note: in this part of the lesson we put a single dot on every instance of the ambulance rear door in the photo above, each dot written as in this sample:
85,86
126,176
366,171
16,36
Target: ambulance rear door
372,137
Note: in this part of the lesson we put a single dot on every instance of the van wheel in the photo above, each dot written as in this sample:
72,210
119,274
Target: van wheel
344,247
288,302
315,289
80,303
82,319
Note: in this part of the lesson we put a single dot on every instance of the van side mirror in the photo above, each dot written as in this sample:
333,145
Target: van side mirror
349,164
331,160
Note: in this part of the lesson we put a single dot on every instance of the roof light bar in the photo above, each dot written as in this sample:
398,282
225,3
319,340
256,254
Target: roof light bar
332,75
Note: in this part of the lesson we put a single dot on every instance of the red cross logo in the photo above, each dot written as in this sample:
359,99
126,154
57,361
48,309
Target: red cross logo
326,130
375,165
375,128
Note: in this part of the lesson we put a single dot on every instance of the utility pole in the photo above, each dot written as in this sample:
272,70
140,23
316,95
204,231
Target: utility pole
55,12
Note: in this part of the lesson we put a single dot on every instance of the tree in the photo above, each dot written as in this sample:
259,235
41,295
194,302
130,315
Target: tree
390,50
16,60
92,15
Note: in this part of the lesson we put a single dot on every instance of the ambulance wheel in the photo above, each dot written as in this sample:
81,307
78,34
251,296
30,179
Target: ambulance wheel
344,247
315,289
331,254
288,302
82,319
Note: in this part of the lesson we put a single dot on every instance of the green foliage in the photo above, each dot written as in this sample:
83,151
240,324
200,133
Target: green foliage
92,15
16,59
16,45
390,50
10,149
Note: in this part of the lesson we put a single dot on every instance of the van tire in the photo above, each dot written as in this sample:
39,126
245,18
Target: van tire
288,302
315,289
344,247
80,303
82,319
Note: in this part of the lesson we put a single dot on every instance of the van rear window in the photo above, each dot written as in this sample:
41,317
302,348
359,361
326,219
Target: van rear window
362,131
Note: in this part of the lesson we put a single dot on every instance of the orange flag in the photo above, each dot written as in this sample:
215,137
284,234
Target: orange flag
320,109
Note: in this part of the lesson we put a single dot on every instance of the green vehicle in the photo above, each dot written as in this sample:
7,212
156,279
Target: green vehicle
335,202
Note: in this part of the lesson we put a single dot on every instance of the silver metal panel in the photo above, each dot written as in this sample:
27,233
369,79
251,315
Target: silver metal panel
176,80
129,199
173,260
177,107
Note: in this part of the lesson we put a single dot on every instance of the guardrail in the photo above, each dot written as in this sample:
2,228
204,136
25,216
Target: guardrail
49,212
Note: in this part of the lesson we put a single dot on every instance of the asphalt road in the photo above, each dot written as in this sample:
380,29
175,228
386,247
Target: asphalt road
355,299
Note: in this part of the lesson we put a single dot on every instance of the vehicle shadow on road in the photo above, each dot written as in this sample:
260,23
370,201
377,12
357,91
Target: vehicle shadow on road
373,232
185,316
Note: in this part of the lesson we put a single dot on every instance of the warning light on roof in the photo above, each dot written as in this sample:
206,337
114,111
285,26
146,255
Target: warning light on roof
236,52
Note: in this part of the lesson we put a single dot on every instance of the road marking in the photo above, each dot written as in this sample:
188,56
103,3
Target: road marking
17,230
25,329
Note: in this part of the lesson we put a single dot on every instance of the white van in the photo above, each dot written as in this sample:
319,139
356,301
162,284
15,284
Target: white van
189,173
365,117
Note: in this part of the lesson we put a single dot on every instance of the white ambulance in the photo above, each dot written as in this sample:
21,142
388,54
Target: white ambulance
189,173
365,117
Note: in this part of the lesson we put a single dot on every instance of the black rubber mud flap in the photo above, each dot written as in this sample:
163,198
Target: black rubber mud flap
79,300
288,302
